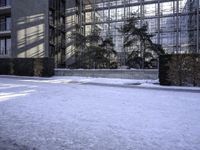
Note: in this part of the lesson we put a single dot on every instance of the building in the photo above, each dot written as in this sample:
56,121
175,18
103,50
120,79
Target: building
33,29
5,28
43,28
175,23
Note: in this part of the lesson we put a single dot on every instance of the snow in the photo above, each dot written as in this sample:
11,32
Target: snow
83,80
64,113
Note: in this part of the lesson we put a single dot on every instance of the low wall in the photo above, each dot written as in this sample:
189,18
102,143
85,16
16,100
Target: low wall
104,73
43,67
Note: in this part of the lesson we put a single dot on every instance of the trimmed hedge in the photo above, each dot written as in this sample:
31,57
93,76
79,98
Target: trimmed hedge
179,69
43,67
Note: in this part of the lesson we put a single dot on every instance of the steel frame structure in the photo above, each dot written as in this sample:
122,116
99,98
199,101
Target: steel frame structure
169,20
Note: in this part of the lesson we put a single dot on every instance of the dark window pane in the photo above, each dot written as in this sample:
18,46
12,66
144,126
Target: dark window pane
5,46
8,2
8,23
2,47
2,3
8,45
2,23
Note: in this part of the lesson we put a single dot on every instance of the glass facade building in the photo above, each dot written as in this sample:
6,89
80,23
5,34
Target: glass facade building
174,23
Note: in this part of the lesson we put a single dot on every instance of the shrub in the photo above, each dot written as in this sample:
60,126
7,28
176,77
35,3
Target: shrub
180,69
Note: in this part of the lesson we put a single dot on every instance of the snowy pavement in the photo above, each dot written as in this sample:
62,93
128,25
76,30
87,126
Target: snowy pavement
66,114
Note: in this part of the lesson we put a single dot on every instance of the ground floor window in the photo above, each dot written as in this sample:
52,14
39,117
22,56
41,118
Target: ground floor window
5,46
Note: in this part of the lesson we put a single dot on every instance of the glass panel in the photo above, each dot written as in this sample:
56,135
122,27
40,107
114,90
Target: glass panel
8,45
2,24
8,2
2,3
8,23
2,47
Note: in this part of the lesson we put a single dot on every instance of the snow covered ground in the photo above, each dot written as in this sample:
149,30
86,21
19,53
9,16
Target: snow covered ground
64,113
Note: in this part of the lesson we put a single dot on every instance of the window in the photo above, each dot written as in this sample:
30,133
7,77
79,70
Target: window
8,23
62,6
51,51
52,4
5,46
2,3
8,2
52,35
8,44
52,17
5,23
2,47
2,24
5,3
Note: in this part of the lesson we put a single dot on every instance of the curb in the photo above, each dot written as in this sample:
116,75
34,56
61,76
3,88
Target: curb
128,85
172,89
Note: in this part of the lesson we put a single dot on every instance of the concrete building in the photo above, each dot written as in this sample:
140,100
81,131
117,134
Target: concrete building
5,28
33,29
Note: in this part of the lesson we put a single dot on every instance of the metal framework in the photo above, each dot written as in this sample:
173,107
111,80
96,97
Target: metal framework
175,23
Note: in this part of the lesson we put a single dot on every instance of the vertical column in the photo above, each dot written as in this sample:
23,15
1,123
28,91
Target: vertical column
198,51
141,12
93,15
141,22
177,26
80,15
124,10
109,18
158,40
129,8
123,20
83,17
103,11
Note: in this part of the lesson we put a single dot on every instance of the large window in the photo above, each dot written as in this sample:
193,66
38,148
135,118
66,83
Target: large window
5,23
52,4
5,3
5,46
52,17
56,27
62,6
8,23
52,35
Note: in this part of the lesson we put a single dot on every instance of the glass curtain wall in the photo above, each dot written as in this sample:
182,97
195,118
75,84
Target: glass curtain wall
57,31
174,23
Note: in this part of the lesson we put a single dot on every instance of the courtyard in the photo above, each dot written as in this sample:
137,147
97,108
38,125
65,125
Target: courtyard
66,113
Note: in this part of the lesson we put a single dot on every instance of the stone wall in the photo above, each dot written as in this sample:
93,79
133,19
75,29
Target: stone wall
104,73
43,67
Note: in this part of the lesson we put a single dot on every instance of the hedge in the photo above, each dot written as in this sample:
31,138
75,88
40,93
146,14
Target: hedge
179,69
43,67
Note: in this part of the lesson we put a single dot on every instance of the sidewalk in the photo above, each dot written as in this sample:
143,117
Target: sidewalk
120,83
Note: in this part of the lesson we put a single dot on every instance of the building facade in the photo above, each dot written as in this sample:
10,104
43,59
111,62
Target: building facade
5,28
174,23
35,28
